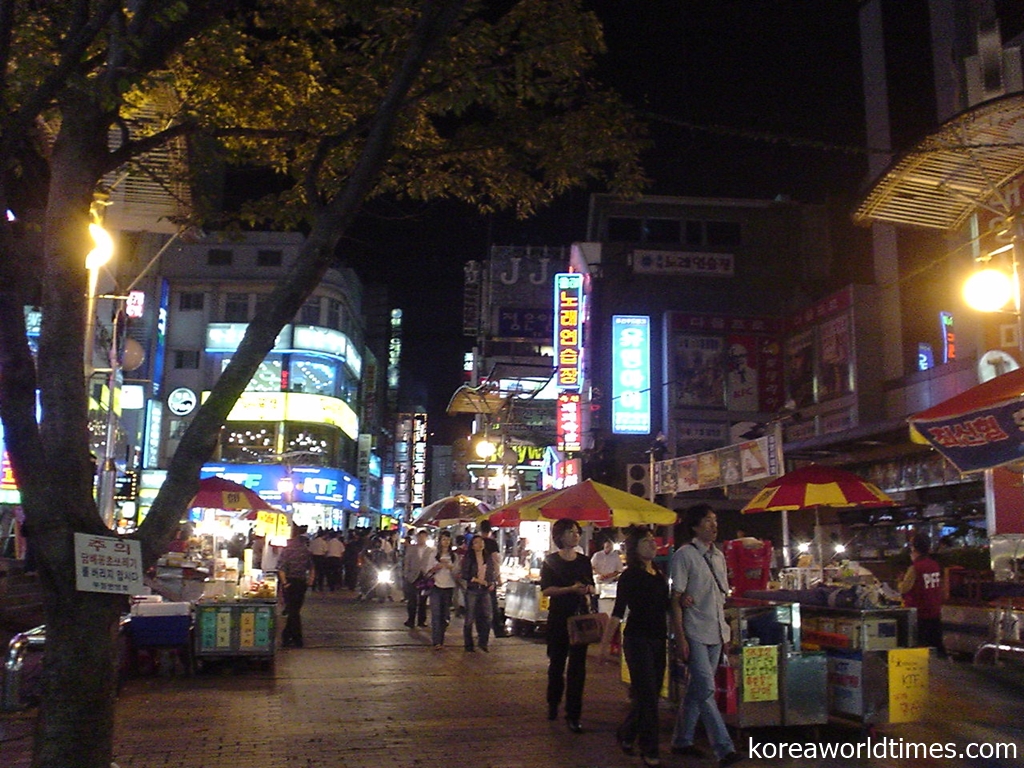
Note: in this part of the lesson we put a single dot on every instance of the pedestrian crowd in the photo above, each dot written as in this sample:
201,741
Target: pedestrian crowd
459,577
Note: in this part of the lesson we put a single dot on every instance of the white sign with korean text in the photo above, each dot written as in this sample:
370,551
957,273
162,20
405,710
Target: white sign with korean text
108,564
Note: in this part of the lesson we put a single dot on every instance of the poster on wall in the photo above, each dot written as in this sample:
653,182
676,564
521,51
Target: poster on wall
698,371
741,378
686,474
835,369
799,354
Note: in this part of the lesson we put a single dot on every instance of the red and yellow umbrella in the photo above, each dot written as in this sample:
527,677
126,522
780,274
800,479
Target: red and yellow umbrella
600,504
817,486
813,487
510,515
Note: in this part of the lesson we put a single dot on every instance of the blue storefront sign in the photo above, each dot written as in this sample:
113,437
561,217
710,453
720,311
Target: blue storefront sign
292,485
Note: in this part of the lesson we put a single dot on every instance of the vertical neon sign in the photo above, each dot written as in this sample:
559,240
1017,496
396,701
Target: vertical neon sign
568,341
631,374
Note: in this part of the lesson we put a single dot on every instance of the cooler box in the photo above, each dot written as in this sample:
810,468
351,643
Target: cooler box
159,630
749,562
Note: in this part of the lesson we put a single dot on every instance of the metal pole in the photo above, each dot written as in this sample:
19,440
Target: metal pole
108,466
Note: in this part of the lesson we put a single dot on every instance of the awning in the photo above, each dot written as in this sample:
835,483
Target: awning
943,179
476,400
979,428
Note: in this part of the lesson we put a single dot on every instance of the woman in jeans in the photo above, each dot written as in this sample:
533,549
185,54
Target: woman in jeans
566,579
643,592
479,576
443,574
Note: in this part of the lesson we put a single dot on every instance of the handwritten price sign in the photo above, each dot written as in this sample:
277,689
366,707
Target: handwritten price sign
761,673
908,684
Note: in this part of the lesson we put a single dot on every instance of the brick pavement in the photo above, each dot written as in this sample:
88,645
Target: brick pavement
366,692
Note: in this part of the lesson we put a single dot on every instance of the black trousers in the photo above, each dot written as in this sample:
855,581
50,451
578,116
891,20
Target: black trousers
294,597
415,603
567,672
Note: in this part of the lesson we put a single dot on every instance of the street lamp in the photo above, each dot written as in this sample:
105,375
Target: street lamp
101,253
990,289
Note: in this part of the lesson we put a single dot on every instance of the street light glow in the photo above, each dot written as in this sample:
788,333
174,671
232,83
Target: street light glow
988,290
485,449
104,249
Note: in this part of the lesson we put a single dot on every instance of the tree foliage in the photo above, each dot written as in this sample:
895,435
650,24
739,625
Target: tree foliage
485,102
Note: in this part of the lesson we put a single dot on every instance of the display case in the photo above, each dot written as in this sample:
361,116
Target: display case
876,674
244,628
775,682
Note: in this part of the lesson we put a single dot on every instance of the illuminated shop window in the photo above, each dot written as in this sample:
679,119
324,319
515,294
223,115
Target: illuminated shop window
317,442
247,442
313,375
267,377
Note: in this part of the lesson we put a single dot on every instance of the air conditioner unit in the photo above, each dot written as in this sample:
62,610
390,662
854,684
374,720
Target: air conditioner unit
638,480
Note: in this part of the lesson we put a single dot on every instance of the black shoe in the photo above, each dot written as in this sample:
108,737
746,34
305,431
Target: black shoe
626,747
422,624
690,751
552,711
470,649
484,649
651,761
731,759
574,725
408,624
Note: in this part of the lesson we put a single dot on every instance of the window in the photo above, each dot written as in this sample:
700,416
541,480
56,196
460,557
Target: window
218,257
190,301
186,358
310,312
334,314
236,308
662,231
694,233
312,374
624,230
723,233
268,258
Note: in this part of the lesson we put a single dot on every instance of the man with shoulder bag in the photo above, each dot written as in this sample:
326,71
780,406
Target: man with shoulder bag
295,573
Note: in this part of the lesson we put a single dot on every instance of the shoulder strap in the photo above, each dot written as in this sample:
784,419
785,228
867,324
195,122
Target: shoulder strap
707,562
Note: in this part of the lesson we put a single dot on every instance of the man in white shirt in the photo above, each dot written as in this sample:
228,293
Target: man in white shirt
318,549
335,553
607,565
700,585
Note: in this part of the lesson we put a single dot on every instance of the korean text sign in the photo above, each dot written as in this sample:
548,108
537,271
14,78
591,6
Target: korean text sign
108,564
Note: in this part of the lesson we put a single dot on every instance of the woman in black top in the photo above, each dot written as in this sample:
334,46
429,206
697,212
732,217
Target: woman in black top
566,579
643,591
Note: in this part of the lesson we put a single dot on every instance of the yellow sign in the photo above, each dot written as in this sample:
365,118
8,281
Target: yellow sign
295,406
908,684
761,673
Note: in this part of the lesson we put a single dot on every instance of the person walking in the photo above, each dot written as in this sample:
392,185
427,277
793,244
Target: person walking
643,593
479,577
318,551
335,556
607,565
295,573
492,548
443,574
416,561
699,588
921,587
566,579
353,554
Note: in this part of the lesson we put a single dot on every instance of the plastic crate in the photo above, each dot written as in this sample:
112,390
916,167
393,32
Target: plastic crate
159,630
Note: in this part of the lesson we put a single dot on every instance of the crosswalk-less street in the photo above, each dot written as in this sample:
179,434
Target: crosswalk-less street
366,692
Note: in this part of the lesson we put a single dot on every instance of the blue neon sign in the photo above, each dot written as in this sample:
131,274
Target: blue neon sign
631,375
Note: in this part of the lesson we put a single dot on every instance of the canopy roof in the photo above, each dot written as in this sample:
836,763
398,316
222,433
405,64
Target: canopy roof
945,177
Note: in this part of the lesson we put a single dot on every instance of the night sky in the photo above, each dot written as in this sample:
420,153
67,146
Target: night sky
745,98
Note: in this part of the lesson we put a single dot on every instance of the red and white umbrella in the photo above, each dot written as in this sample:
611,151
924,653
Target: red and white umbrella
218,493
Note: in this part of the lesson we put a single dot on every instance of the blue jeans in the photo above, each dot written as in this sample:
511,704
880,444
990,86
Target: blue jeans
478,611
700,701
645,657
440,610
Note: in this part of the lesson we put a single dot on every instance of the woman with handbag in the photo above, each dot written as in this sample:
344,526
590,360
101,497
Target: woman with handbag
442,576
643,592
479,573
566,579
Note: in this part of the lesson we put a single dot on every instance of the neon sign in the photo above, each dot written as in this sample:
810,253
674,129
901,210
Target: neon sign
631,374
568,331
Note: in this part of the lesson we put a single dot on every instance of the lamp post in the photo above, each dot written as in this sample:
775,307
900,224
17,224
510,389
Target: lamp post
486,450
